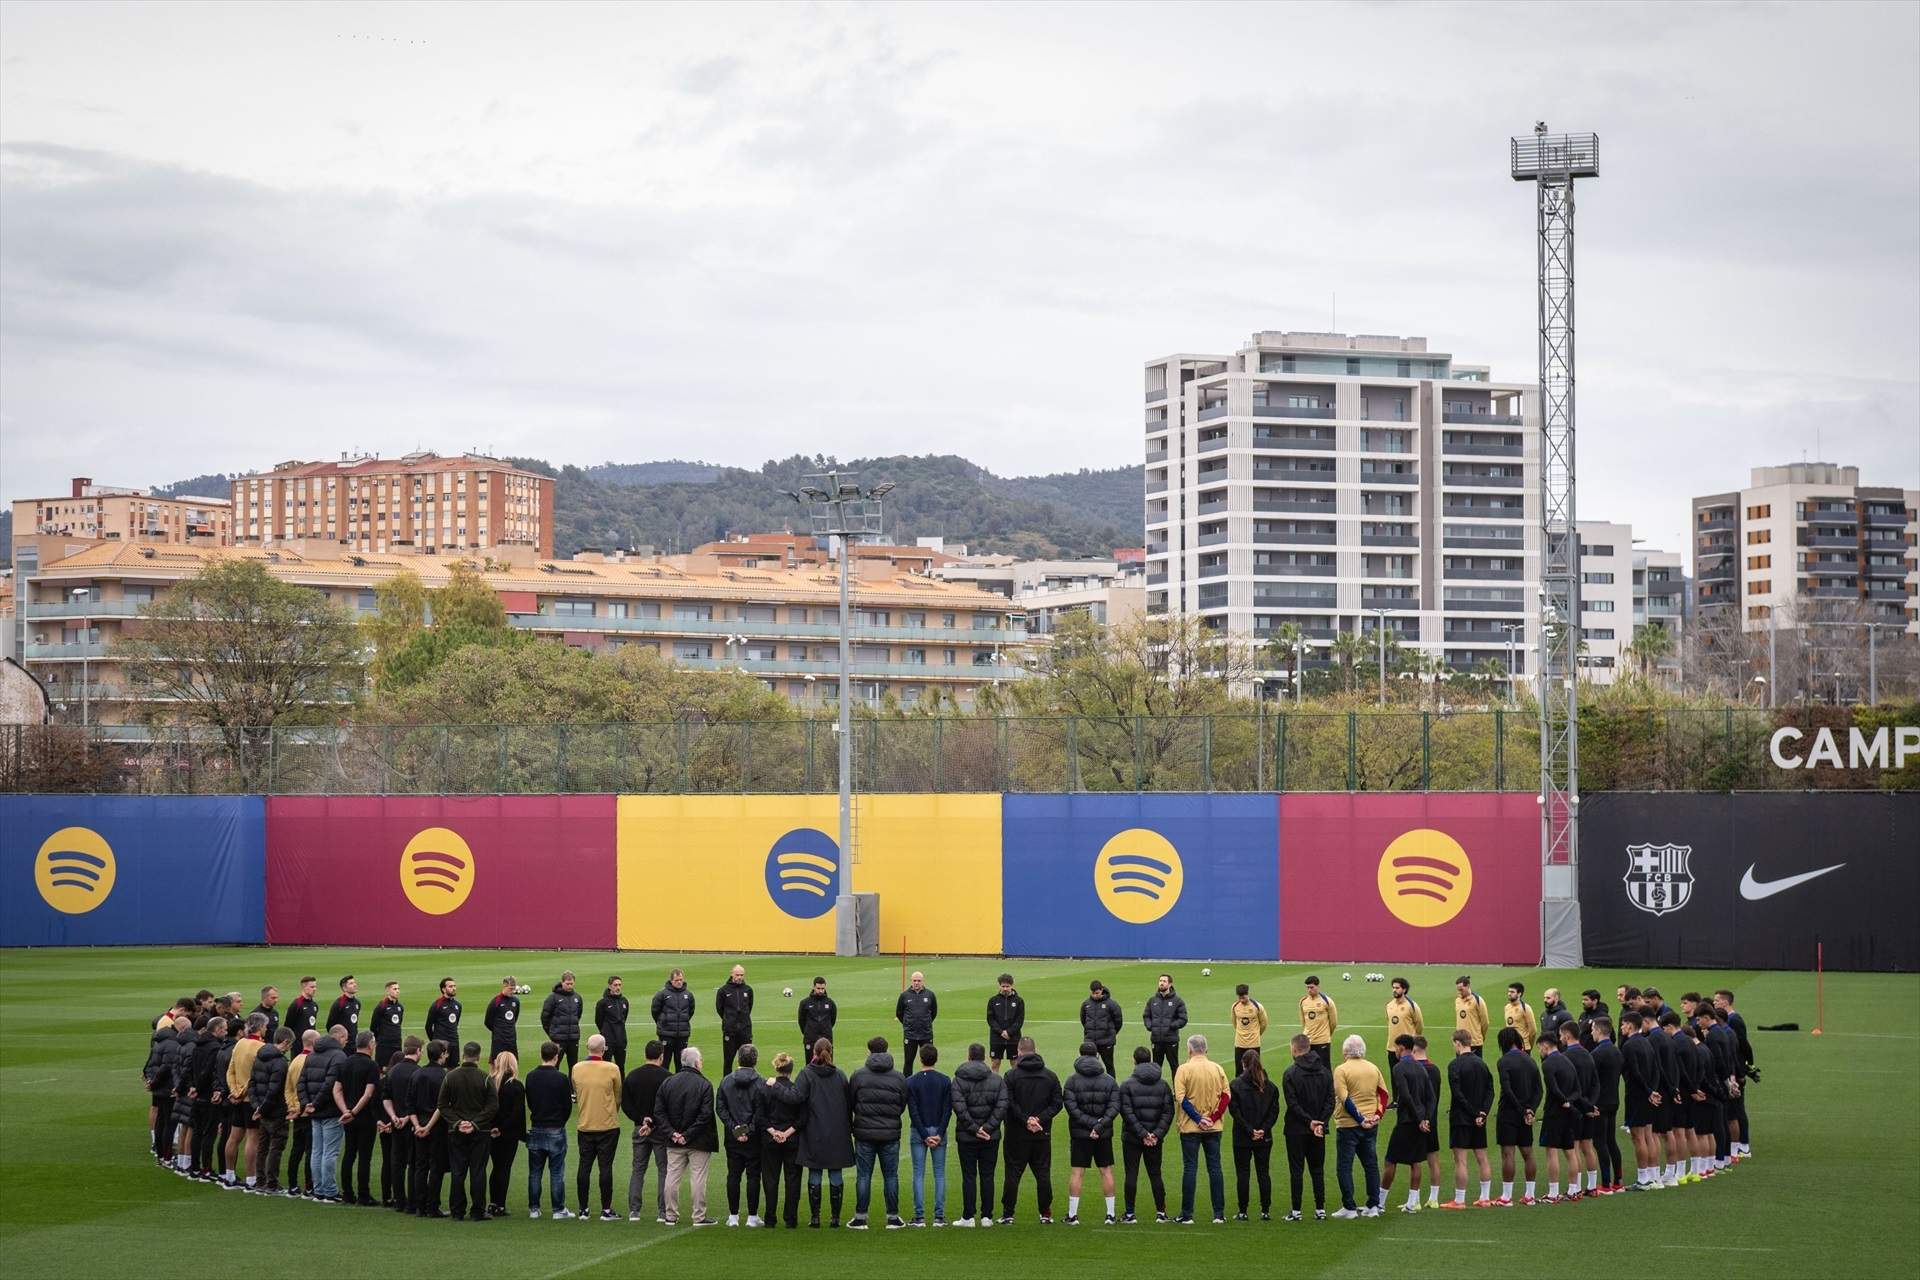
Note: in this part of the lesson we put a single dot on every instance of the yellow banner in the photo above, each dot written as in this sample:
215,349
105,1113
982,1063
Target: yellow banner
760,873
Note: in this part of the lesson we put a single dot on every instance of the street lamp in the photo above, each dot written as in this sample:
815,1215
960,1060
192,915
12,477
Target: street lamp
1514,630
1380,631
839,507
83,595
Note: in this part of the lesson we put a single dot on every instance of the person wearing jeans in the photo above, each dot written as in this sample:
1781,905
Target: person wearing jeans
877,1096
547,1149
930,1107
1201,1096
549,1104
1357,1087
317,1079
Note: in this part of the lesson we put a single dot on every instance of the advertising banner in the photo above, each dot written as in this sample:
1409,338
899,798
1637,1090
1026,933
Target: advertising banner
441,871
761,873
86,870
1149,876
1431,878
1750,881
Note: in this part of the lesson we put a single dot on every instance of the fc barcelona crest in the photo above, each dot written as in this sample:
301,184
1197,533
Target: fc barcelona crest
1658,878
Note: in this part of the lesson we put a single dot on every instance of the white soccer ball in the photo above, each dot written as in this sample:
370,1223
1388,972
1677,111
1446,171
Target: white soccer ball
787,992
1206,972
523,990
1346,977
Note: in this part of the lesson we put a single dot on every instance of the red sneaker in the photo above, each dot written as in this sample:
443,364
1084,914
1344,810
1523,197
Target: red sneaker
1452,1204
1503,1203
1486,1204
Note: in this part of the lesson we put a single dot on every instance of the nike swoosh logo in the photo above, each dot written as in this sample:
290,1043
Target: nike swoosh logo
1754,890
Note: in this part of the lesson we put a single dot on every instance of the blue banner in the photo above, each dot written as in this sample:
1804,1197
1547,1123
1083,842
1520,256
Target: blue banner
1173,877
81,871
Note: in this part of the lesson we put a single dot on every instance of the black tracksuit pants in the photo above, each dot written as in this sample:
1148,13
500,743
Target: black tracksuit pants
467,1162
1028,1151
500,1173
356,1156
1133,1155
1260,1156
1308,1152
977,1160
396,1173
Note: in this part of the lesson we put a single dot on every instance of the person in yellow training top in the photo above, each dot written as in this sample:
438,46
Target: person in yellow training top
1520,1015
1200,1096
1403,1016
1357,1088
1470,1014
1249,1024
1318,1020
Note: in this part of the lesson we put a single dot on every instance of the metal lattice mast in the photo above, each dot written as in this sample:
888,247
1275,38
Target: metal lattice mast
1551,162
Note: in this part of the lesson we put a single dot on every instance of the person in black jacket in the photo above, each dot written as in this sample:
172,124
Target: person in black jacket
1091,1097
389,1030
915,1011
1564,1117
356,1092
739,1137
1604,1128
345,1011
1165,1016
268,1009
979,1109
502,1020
818,1013
1414,1109
1306,1088
157,1076
1470,1088
610,1020
776,1119
1006,1021
638,1092
683,1114
560,1017
443,1016
826,1129
1737,1135
1520,1095
673,1016
1554,1013
396,1104
1100,1021
469,1105
1587,1110
1146,1113
1034,1098
1255,1103
734,1003
207,1086
267,1090
303,1015
429,1132
876,1100
549,1095
318,1100
508,1132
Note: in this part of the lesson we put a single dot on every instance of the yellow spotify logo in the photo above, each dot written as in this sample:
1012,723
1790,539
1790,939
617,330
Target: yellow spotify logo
1138,876
436,871
1425,878
74,870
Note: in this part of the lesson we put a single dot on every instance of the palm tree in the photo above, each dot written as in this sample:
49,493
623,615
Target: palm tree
1492,673
1649,645
1288,644
1349,651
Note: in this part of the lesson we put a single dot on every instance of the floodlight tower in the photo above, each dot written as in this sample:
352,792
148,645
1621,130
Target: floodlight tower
1551,161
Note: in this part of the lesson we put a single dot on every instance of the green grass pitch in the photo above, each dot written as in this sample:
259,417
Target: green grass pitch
1832,1190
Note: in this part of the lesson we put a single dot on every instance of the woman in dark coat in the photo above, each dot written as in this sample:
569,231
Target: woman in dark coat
509,1131
777,1115
1255,1102
826,1129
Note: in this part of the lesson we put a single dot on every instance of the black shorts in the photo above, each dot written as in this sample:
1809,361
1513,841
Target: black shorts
240,1115
1705,1115
1560,1129
1406,1145
1092,1153
1680,1113
1596,1128
1639,1111
1512,1132
1661,1117
1004,1050
1468,1137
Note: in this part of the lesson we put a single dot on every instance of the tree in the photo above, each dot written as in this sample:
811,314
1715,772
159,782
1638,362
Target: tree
1288,645
399,614
467,611
237,649
1649,646
1348,651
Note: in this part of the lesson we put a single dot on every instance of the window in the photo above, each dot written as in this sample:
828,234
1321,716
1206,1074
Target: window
1597,579
1760,512
692,649
913,619
573,608
616,608
1597,606
946,620
915,657
1598,633
952,656
1604,549
1759,562
760,653
757,613
983,658
1758,537
693,612
872,618
870,653
1761,586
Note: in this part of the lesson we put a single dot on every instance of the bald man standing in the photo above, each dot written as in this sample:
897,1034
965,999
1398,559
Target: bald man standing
734,1003
915,1011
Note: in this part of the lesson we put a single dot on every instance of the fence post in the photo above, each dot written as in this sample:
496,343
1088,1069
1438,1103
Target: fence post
1206,753
1353,725
1280,752
1426,750
1073,753
681,736
939,757
560,759
500,762
873,755
1728,712
1499,750
1139,753
1002,772
812,728
746,753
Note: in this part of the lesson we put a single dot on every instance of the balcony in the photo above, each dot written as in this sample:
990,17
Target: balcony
1211,446
1389,477
1714,525
756,630
1483,575
1456,635
1282,507
1264,634
1211,571
76,650
1831,515
1212,539
1886,593
1483,606
1375,600
1291,411
1156,486
1156,456
1483,450
1719,573
1269,538
1157,579
1155,425
1284,598
1833,593
1514,545
1886,519
85,609
902,670
1389,540
1827,540
1266,439
1213,597
1211,412
1155,396
1292,475
1293,570
1453,417
1833,568
1466,510
1479,480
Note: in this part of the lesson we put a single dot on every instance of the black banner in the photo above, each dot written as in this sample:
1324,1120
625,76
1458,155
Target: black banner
1750,881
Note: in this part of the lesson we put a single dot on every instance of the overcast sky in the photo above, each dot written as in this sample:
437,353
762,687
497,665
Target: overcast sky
235,234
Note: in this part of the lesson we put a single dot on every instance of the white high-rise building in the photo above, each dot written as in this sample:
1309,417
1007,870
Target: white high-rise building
1319,478
1622,589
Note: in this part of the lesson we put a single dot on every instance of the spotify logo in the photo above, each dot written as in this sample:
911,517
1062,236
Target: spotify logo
803,873
1425,878
437,871
74,870
1138,876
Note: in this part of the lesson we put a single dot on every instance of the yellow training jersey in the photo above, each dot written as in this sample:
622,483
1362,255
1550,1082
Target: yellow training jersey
1318,1019
1520,1018
1403,1019
1249,1023
1470,1016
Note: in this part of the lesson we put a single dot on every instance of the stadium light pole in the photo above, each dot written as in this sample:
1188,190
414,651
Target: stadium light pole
840,508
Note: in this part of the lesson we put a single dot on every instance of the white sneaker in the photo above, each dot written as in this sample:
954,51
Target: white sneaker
561,1215
1345,1213
985,1220
1370,1213
534,1214
755,1220
733,1219
963,1222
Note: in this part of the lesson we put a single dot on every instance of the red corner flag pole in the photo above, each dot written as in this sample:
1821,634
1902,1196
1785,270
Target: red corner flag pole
903,962
1819,987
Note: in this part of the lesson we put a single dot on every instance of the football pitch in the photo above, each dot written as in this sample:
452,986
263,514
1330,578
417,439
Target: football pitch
1836,1135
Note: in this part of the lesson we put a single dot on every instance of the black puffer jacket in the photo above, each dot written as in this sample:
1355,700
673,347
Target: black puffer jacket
560,1015
734,1003
1092,1098
267,1086
1253,1110
1146,1103
1306,1087
979,1102
159,1069
826,1127
1101,1020
200,1065
174,1055
673,1013
1032,1091
317,1077
735,1100
610,1018
222,1059
684,1106
878,1096
1164,1017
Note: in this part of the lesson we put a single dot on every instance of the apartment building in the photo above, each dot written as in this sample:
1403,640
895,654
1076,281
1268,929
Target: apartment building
1335,480
1660,598
47,529
912,635
1045,591
1800,538
794,550
419,502
1606,598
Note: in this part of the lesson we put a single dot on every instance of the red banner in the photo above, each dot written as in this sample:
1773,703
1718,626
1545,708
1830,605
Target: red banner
442,871
1416,879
